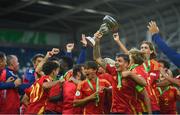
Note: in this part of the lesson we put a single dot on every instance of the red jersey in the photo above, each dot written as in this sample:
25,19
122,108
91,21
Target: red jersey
151,80
54,106
69,90
108,93
138,102
121,98
11,101
68,75
38,96
167,100
9,98
84,90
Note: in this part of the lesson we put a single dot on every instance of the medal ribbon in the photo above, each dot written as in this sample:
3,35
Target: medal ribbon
119,80
97,88
132,67
162,91
147,68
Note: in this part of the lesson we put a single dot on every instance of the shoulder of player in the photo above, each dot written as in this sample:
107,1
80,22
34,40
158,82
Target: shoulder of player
104,81
80,85
68,74
155,64
10,73
44,78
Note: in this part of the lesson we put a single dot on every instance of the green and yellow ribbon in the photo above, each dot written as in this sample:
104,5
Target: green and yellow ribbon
147,68
119,80
97,88
162,91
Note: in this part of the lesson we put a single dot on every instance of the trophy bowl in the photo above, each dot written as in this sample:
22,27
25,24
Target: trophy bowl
109,24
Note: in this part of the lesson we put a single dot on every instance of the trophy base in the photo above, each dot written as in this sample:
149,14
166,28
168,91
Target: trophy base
90,41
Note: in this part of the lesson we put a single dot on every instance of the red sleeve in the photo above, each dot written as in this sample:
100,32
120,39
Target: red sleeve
111,70
68,74
107,77
175,92
107,83
137,71
28,91
54,91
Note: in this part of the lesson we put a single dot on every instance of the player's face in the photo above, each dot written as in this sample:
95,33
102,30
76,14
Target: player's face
101,70
55,72
38,60
121,64
83,71
15,63
90,73
146,49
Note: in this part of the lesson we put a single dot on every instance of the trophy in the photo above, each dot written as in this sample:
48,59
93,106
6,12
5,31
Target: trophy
109,24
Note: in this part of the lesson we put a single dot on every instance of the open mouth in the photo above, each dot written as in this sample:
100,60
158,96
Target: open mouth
87,74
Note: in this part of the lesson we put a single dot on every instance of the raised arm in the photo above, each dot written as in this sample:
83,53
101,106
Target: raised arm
69,48
48,55
10,83
158,40
120,44
6,85
82,55
147,101
47,85
96,50
137,78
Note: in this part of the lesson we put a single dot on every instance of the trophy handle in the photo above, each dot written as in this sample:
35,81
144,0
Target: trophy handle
91,41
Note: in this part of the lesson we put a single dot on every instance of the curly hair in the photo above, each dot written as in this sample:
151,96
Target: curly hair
137,56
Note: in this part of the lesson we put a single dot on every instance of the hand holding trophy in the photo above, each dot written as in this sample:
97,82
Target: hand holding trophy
109,24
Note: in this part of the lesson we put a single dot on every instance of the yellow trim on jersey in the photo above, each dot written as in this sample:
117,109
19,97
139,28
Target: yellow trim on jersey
41,111
133,108
143,106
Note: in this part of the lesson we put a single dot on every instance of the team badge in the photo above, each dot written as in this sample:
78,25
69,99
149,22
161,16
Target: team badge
77,93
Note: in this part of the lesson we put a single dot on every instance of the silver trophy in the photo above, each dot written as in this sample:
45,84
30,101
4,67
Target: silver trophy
109,24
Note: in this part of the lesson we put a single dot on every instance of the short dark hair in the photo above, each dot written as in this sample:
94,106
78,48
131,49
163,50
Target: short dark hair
2,55
124,56
37,56
166,63
91,65
49,66
78,68
66,61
